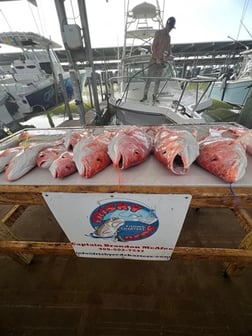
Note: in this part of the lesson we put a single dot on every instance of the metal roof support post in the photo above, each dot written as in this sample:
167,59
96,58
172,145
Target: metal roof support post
84,23
63,88
59,4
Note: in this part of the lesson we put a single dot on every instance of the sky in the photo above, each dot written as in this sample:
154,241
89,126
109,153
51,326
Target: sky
196,20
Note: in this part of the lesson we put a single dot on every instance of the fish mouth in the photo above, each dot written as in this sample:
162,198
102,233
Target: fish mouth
178,166
128,159
120,162
41,163
57,175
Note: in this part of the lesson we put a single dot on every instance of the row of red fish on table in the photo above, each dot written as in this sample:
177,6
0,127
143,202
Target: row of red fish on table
222,151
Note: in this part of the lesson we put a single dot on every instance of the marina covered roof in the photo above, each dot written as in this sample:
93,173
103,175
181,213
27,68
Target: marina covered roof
201,49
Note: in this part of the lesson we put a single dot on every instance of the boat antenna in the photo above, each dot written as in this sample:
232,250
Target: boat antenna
32,14
6,20
246,2
161,11
246,29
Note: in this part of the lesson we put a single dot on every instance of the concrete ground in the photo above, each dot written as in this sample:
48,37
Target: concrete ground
70,296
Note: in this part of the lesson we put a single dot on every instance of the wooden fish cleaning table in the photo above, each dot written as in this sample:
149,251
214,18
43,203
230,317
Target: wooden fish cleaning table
150,177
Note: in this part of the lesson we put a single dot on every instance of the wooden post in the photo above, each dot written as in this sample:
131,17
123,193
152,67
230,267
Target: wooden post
237,268
6,234
246,223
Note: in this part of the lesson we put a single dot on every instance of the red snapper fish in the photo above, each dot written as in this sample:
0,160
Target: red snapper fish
91,154
245,137
130,147
73,137
24,161
6,155
63,166
223,157
176,149
46,157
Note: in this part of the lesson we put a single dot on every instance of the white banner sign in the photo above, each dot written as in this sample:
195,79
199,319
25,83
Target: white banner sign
128,226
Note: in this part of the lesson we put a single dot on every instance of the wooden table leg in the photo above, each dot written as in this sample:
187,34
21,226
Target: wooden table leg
6,234
246,222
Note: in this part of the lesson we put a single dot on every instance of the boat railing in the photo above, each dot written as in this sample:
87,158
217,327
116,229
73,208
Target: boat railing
124,83
199,93
118,83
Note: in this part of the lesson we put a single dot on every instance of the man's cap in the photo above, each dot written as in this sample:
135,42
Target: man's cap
171,22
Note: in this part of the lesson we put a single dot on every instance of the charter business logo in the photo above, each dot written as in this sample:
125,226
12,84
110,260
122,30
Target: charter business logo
123,220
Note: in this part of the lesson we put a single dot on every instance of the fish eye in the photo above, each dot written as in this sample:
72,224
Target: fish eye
98,159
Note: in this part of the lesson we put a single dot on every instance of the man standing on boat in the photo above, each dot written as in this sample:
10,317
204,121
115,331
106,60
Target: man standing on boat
161,52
